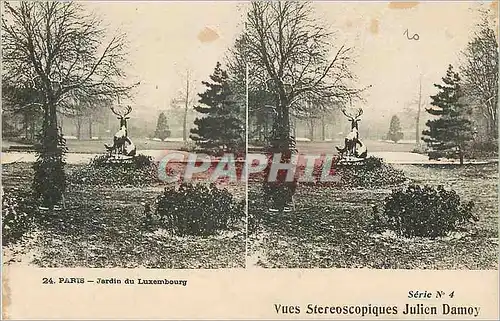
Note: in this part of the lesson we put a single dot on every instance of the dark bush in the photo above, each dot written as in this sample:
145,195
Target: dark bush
436,155
420,149
143,161
137,162
280,194
18,215
188,146
373,163
198,209
373,173
425,211
139,171
482,149
117,176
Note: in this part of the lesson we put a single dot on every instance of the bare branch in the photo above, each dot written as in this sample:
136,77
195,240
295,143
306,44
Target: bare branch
57,47
285,44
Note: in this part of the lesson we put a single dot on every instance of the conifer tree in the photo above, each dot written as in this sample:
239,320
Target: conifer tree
162,130
395,133
219,129
449,133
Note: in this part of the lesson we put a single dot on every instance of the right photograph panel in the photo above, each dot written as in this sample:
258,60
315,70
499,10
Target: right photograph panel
372,135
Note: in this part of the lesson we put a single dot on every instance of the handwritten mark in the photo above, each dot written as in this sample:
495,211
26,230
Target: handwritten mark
415,36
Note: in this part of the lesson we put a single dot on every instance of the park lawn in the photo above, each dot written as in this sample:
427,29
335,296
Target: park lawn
319,147
105,227
97,146
315,147
331,227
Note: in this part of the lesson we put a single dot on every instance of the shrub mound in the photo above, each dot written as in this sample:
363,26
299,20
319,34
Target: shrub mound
373,173
18,215
141,170
425,211
198,209
137,162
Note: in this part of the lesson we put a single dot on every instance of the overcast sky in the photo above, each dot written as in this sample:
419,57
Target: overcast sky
166,38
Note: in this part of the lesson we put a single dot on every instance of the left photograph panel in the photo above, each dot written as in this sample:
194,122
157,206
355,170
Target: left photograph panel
123,135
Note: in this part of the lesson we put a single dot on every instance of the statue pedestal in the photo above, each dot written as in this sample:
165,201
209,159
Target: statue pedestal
119,159
349,160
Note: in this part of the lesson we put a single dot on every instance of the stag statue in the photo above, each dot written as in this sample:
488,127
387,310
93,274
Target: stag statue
353,146
122,144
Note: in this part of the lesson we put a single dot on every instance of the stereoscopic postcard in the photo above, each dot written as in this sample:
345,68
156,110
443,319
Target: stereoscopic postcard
250,160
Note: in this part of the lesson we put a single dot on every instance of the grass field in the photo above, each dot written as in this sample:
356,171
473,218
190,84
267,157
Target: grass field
331,227
105,227
372,146
97,146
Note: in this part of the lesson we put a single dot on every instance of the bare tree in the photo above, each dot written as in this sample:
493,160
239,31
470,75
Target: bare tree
480,70
414,110
260,101
60,49
186,98
186,106
292,52
80,108
22,100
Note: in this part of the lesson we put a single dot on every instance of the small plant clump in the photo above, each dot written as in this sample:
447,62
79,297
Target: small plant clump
18,215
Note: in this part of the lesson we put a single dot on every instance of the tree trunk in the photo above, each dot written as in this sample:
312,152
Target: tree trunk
323,128
311,129
61,121
78,127
49,179
493,129
265,134
33,127
184,127
26,125
54,131
295,127
417,133
90,126
286,120
49,130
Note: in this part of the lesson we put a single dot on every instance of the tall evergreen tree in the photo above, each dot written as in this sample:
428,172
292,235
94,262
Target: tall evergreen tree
450,132
162,130
395,133
220,129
